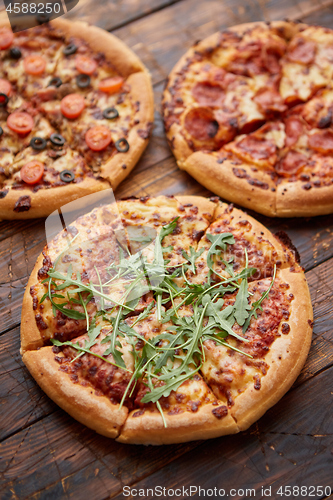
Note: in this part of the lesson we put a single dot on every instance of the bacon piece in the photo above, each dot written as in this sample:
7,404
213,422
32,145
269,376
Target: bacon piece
257,148
291,164
294,129
302,51
269,101
201,124
207,94
322,141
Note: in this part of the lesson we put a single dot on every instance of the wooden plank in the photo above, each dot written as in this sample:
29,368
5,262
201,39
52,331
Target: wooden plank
110,14
58,450
290,445
22,401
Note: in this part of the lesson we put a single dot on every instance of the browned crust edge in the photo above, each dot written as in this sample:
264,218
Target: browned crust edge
293,349
46,201
80,402
128,65
30,335
149,429
220,179
292,200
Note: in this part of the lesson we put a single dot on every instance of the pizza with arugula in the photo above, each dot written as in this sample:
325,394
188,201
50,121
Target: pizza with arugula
248,113
76,110
163,320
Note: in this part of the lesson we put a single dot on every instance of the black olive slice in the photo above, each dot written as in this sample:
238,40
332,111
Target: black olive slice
3,99
57,139
67,176
70,49
15,53
42,18
38,143
1,131
122,145
83,81
110,113
55,82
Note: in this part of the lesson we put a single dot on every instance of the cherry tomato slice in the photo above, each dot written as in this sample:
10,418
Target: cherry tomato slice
32,172
111,85
34,65
6,38
98,138
85,65
72,105
20,122
5,87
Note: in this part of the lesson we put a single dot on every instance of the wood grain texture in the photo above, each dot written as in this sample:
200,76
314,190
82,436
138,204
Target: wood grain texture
44,453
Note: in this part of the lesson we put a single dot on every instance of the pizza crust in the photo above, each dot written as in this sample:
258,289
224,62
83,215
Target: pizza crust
292,200
80,402
46,201
149,428
220,179
126,63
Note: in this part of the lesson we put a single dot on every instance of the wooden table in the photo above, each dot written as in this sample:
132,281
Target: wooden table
45,454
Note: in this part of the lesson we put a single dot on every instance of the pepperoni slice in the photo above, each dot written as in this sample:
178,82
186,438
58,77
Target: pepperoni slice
201,124
270,101
291,164
294,128
5,87
111,85
257,148
207,94
85,65
34,65
72,105
322,141
32,172
303,51
20,122
6,38
98,138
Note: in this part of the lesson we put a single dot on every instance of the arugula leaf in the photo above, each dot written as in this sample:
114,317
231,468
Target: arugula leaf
219,243
192,258
242,305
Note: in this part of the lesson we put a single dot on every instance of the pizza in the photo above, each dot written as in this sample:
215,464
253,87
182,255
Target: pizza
76,110
168,319
248,113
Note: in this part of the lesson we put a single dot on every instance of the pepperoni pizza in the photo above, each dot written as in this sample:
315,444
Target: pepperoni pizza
249,114
163,320
76,110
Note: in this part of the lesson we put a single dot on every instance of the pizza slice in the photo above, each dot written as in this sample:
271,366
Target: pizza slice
251,380
306,67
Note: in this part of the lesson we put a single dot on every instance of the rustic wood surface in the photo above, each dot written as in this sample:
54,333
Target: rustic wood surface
45,454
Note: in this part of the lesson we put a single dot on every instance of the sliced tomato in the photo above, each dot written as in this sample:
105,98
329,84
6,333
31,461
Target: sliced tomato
32,172
98,138
72,105
111,85
20,122
6,38
5,87
85,65
34,65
